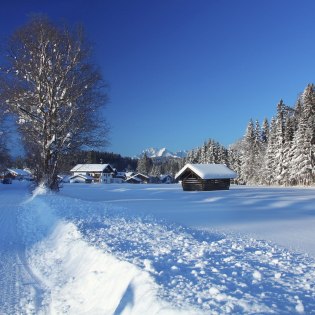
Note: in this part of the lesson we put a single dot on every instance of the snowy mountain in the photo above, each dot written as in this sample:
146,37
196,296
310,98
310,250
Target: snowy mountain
158,153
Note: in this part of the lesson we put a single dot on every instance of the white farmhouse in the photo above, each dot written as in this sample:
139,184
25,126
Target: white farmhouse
102,173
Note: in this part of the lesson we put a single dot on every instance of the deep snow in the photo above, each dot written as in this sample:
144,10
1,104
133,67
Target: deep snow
154,249
285,216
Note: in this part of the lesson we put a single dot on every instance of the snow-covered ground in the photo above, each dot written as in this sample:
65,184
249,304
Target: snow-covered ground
154,249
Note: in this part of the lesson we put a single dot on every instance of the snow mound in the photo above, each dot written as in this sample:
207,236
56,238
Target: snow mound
78,278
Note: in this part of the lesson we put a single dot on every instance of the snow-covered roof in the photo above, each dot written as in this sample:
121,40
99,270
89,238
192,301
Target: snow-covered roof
129,174
90,167
142,175
208,171
19,172
135,178
82,176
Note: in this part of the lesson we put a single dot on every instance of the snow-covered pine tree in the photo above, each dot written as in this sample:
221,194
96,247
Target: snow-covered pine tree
249,153
269,161
259,152
280,131
287,150
203,154
144,165
223,155
192,156
210,151
50,83
235,160
265,131
263,149
156,170
304,141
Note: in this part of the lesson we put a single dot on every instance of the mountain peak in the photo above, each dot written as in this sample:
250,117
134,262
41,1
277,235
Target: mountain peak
163,152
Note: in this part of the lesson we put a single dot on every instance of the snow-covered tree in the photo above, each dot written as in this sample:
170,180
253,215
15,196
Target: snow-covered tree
235,160
279,138
250,154
287,151
203,153
4,154
144,164
265,131
270,161
50,83
303,169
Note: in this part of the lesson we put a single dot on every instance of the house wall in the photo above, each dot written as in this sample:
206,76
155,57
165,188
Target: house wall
104,178
195,184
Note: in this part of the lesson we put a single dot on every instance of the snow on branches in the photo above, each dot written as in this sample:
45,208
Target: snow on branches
52,87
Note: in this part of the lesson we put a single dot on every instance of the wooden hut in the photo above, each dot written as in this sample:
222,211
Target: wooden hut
205,177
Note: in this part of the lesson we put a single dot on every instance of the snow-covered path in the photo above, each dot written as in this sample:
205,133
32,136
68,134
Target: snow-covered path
17,282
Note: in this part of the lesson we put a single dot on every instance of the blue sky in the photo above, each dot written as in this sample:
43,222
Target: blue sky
183,71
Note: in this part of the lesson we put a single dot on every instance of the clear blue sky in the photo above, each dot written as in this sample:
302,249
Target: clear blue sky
183,71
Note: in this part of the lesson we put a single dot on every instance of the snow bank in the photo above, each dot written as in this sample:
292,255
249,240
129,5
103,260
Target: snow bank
79,278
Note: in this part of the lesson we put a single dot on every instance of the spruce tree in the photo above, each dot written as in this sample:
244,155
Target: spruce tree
248,158
304,140
270,162
279,150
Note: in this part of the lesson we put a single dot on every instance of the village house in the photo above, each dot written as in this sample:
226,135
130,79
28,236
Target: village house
205,177
100,173
79,178
138,179
166,179
19,174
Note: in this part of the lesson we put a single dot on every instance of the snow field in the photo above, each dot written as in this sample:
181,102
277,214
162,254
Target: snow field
100,248
79,278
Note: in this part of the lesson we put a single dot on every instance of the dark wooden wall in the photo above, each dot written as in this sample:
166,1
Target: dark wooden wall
196,184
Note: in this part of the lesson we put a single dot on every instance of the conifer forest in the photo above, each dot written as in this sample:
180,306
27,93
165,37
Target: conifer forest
279,152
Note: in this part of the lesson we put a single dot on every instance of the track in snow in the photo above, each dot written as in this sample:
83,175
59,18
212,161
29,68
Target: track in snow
17,283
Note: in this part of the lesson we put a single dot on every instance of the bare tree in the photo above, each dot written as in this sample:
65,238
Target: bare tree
50,83
4,155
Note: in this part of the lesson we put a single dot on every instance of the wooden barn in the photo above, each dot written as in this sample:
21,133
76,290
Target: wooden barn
205,177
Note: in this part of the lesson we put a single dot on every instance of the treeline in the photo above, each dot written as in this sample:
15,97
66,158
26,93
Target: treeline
284,152
94,157
281,152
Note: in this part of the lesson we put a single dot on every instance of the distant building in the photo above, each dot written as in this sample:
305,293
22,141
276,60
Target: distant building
16,173
138,179
205,177
166,179
133,180
102,173
80,178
